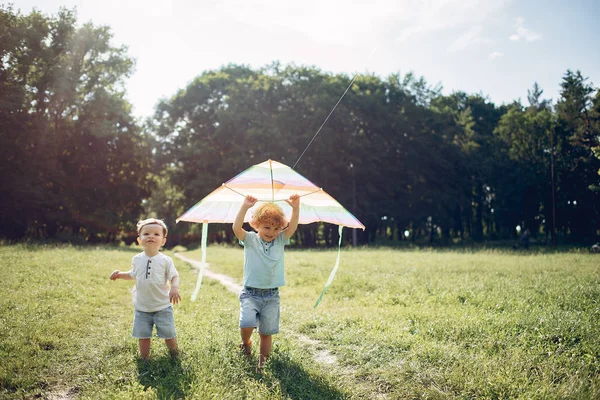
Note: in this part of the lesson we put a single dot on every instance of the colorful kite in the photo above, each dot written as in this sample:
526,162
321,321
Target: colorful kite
269,181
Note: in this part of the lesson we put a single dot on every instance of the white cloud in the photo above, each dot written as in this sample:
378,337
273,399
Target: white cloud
322,21
438,15
495,54
470,37
524,33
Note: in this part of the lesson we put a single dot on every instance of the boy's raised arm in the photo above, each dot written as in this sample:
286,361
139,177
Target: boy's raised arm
294,202
238,224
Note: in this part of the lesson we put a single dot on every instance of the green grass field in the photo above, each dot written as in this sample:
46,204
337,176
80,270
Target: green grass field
394,325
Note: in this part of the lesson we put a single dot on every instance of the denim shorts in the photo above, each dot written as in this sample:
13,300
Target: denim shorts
143,322
260,308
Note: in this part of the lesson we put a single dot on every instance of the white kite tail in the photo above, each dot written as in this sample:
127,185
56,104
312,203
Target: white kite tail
335,268
203,262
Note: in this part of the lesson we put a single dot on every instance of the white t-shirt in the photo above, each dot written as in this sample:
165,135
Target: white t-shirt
152,274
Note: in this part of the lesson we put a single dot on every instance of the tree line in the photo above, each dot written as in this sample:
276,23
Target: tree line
409,162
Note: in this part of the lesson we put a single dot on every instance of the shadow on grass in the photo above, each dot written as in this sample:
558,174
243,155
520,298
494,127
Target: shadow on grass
166,375
298,384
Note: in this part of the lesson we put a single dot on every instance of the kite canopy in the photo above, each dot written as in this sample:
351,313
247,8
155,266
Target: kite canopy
270,181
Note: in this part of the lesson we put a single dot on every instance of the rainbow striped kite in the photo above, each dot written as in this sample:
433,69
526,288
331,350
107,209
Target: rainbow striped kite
269,181
275,182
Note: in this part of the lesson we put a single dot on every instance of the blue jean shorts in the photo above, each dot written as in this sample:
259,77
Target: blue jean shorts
144,322
260,308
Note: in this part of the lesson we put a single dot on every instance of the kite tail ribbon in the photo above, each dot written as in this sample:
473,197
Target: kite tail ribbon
335,268
203,263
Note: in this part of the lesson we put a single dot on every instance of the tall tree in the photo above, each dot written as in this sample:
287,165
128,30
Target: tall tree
595,124
526,192
75,160
474,119
578,207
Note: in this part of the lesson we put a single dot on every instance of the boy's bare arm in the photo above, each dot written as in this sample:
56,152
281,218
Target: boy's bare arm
121,275
294,202
174,296
238,224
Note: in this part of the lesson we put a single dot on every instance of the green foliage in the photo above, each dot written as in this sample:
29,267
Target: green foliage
71,152
595,123
527,136
226,120
577,134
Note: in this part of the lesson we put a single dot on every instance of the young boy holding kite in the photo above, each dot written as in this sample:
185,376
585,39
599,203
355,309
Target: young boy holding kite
152,296
263,270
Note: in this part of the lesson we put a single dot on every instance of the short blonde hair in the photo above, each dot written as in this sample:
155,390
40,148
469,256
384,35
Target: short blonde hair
268,213
152,221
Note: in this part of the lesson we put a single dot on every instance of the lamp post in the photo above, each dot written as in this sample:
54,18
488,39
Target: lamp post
553,189
354,238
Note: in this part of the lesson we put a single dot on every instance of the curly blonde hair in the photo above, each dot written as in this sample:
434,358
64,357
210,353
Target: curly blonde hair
268,214
152,221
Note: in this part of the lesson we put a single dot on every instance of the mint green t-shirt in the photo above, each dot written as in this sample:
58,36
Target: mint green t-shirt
263,262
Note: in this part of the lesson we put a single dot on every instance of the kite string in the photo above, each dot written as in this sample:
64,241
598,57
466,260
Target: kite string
334,107
324,122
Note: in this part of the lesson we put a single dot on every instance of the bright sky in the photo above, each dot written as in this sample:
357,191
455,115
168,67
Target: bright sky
498,48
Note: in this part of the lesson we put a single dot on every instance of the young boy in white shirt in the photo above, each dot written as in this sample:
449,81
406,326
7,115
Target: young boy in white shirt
152,296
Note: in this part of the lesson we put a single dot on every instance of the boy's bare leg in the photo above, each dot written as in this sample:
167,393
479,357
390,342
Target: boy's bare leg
145,348
172,345
266,342
246,334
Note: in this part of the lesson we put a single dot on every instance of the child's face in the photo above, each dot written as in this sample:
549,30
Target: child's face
152,238
268,231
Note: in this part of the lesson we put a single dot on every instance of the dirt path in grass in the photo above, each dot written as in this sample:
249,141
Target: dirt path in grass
225,280
322,356
64,394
